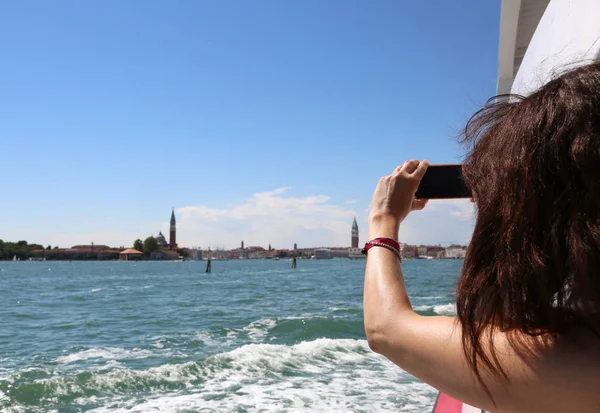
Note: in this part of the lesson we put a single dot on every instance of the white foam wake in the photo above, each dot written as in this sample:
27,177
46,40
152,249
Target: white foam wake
319,375
442,309
107,353
428,297
257,330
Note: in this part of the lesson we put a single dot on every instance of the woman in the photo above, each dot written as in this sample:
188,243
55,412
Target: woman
527,333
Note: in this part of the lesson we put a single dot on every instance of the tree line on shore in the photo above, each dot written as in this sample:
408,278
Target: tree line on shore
150,244
20,249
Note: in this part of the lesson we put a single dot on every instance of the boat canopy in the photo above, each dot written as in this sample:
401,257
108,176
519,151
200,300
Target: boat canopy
540,38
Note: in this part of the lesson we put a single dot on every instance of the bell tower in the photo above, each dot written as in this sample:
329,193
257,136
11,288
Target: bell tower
354,234
173,232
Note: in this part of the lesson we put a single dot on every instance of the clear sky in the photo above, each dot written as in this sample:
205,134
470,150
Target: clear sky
263,121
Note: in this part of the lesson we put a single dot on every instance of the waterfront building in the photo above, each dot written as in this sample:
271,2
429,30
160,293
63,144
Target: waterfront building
323,254
90,247
79,253
239,253
435,251
356,254
339,252
219,253
130,254
456,251
194,254
255,252
431,251
408,251
164,255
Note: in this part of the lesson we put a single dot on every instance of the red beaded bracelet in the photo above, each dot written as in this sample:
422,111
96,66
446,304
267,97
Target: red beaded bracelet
387,243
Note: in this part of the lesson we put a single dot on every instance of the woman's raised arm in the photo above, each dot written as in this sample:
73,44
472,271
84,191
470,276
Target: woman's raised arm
547,378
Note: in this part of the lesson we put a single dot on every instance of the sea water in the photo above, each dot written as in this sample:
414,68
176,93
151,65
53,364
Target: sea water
252,336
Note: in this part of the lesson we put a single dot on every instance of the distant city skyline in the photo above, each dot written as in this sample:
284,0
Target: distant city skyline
456,212
268,122
269,220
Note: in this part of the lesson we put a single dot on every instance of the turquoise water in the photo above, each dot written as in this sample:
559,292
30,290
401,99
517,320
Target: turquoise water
252,336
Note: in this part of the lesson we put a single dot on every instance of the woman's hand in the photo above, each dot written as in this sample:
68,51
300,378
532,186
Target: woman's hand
394,199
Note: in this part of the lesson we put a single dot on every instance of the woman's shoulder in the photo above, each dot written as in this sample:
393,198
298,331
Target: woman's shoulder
565,374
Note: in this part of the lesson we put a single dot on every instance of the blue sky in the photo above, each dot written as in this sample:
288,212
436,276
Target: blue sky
268,121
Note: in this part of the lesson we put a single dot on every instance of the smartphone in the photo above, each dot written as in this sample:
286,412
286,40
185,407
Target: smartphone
443,182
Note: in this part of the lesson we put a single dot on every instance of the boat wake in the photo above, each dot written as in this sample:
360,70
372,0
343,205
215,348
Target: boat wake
319,375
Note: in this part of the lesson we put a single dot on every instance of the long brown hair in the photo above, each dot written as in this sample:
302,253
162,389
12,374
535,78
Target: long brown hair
533,264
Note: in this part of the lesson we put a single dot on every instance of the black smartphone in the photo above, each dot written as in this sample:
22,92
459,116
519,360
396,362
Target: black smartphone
443,182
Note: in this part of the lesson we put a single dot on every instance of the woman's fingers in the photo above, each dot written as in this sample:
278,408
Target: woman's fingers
398,168
421,169
419,204
413,167
394,195
410,166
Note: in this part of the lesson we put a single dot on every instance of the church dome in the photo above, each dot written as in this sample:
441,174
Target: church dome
161,239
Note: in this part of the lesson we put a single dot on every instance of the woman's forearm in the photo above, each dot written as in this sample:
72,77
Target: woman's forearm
385,297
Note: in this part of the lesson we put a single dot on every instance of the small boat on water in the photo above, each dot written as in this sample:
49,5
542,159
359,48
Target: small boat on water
14,258
537,37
